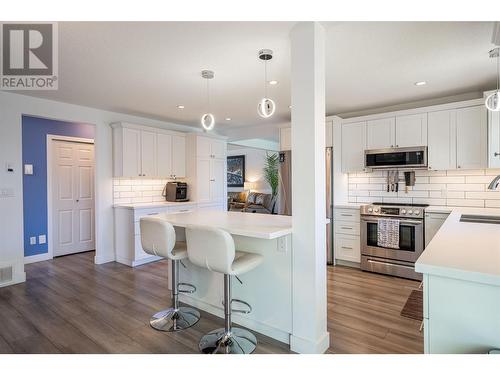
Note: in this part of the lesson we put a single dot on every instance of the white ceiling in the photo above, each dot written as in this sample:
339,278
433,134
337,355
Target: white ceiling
149,68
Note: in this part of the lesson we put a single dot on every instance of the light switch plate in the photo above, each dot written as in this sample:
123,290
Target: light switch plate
42,239
28,169
32,240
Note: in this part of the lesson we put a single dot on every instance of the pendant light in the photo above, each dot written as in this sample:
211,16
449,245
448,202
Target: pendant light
208,119
266,106
493,100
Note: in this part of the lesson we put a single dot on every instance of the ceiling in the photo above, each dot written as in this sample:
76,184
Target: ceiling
148,68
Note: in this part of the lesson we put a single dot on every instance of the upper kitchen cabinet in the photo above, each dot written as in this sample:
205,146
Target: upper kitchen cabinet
411,130
442,151
353,146
208,147
494,139
140,151
380,133
472,138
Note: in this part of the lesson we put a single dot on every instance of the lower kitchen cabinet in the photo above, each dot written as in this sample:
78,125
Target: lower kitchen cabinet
347,235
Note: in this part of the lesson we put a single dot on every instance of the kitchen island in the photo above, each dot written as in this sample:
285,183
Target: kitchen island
461,268
267,288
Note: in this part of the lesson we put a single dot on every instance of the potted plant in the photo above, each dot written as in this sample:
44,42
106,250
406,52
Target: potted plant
271,175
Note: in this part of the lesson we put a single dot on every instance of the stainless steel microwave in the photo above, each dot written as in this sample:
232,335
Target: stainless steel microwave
400,158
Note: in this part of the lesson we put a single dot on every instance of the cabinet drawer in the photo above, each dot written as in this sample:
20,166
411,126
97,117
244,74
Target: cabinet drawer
347,248
187,208
346,214
347,227
148,212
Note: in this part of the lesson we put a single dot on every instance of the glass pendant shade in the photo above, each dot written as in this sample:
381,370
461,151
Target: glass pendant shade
266,107
208,121
493,101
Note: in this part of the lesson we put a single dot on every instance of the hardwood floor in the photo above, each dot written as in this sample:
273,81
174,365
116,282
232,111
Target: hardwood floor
70,305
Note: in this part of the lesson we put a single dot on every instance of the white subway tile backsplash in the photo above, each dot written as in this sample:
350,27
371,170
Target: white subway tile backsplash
465,188
122,188
139,190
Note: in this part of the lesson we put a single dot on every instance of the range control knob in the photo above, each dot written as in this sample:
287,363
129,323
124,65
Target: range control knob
403,211
370,209
375,210
417,212
410,212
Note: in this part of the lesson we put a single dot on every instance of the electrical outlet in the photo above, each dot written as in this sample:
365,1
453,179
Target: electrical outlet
42,239
32,240
282,245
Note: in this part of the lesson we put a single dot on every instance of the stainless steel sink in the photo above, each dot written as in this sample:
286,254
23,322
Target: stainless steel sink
482,219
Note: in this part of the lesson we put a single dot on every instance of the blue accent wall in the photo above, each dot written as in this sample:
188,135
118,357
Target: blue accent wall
34,143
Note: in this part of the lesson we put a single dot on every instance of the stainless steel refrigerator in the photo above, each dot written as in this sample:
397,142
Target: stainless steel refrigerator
285,194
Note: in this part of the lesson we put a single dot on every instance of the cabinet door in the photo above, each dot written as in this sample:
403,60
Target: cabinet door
217,179
441,149
164,155
218,149
353,146
203,147
380,133
203,183
148,154
494,139
131,152
411,130
471,138
179,156
329,134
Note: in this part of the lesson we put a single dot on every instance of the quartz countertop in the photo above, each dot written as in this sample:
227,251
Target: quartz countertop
349,205
465,251
138,206
238,223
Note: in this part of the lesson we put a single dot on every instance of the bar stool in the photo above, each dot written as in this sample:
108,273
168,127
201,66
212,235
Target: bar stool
158,238
214,249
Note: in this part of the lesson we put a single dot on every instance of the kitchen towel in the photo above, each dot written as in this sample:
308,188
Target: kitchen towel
388,233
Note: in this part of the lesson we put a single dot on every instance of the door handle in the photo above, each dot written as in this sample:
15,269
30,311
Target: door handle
78,200
496,154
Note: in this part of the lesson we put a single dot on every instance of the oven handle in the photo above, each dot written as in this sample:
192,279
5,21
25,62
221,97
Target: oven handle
388,263
401,221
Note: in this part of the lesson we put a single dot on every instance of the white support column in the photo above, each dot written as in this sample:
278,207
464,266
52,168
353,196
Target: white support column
308,189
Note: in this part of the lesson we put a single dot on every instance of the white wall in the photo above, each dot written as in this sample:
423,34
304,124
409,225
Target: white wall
254,165
466,188
12,107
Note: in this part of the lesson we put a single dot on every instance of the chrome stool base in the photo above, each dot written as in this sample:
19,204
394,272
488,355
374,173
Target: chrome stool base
175,319
237,341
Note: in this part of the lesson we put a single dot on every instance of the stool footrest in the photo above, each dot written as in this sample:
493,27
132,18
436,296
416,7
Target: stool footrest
243,311
191,288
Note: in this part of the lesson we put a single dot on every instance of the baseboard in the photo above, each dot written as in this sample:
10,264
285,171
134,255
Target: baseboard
37,258
104,259
18,274
347,263
306,346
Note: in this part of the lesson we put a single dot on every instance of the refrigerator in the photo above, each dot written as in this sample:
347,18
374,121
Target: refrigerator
285,195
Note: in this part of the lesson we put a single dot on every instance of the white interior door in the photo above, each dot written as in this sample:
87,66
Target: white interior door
72,197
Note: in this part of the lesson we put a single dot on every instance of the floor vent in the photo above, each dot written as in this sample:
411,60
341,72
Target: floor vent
5,275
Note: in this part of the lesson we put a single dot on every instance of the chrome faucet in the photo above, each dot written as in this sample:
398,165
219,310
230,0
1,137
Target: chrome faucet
494,184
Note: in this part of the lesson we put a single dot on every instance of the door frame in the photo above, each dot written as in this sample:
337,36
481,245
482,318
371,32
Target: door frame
50,158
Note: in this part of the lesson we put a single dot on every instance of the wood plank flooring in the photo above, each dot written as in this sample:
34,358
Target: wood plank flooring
70,305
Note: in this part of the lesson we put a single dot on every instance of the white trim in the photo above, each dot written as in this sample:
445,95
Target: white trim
50,138
306,346
37,258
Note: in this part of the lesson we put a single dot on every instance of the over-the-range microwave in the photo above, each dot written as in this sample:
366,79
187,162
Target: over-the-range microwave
397,158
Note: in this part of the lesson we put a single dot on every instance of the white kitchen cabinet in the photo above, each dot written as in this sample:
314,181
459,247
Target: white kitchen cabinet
442,152
380,133
285,139
329,134
471,138
494,139
206,169
433,221
346,236
178,156
411,130
353,146
141,151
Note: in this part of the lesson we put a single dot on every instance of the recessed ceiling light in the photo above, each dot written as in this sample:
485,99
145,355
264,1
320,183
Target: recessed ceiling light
273,82
420,83
228,118
180,106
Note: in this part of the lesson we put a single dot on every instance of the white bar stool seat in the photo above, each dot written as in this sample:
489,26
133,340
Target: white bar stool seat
158,238
214,249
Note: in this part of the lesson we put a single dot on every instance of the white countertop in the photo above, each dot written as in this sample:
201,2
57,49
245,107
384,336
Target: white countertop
349,205
466,251
138,206
238,223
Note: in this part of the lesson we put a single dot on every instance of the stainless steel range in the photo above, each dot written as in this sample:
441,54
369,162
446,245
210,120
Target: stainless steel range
398,261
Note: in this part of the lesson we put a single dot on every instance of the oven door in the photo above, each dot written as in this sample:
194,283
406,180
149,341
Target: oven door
411,239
